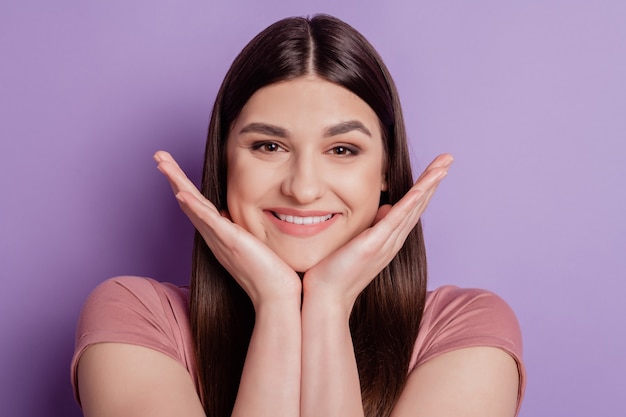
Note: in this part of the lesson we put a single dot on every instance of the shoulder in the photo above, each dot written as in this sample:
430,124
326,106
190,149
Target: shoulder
455,318
121,304
134,284
137,311
131,291
460,317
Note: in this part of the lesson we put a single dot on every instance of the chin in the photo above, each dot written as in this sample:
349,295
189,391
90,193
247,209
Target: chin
301,267
302,264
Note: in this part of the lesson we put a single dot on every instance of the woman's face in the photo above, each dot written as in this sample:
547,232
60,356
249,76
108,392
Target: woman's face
305,168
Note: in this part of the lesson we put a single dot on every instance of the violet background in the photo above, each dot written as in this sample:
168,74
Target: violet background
530,97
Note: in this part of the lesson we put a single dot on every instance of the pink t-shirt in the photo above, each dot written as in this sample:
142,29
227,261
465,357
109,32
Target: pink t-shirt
145,312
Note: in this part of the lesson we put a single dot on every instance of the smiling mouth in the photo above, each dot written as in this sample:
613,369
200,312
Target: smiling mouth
288,218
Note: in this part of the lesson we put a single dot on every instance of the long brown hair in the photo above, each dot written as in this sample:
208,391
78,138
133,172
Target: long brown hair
386,316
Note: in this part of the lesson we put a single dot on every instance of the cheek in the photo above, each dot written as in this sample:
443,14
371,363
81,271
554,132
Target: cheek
363,190
240,205
238,189
246,188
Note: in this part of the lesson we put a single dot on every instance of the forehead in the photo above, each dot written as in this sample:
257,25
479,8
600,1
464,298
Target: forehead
306,102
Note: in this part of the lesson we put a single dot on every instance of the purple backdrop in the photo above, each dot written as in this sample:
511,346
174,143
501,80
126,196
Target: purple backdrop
530,96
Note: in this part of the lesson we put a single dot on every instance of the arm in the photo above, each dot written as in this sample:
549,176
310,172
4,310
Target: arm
121,379
118,379
330,382
468,382
478,381
270,381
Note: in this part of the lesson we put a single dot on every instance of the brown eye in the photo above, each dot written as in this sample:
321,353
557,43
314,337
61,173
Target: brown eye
268,147
343,151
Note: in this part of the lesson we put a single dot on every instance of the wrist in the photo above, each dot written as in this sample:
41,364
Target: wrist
284,294
325,303
326,295
278,304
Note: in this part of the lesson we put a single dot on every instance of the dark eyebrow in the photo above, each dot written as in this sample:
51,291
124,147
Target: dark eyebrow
345,127
265,129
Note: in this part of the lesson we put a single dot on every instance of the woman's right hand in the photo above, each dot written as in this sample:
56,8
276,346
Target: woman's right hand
258,270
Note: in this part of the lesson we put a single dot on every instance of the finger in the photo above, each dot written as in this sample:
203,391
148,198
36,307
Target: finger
215,231
440,164
165,159
170,168
422,192
202,215
418,210
161,155
441,161
177,178
398,221
429,180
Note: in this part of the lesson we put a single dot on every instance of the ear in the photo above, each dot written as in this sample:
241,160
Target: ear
383,184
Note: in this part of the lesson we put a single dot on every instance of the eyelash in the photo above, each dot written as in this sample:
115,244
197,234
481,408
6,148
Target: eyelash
339,150
346,150
263,146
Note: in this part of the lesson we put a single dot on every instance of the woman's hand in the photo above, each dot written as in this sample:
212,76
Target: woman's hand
344,274
259,271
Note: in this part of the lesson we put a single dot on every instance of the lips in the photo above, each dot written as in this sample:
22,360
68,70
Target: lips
303,220
299,223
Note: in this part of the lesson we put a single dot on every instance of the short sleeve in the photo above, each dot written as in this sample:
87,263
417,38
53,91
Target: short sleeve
138,311
456,318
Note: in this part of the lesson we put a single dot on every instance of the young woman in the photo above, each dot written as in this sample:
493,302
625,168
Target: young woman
308,291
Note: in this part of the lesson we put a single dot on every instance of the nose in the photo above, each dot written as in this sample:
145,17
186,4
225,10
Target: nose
304,180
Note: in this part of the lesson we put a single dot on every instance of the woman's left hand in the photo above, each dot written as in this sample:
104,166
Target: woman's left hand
343,275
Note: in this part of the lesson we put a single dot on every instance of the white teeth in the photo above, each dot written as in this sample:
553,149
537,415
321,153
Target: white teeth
303,220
